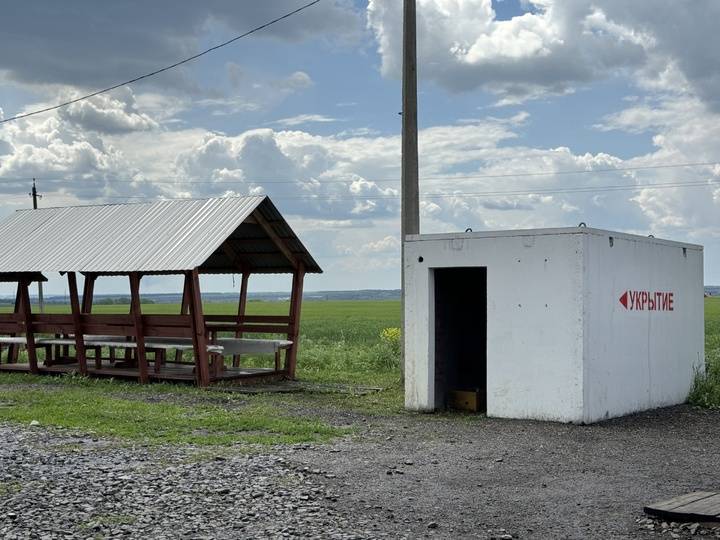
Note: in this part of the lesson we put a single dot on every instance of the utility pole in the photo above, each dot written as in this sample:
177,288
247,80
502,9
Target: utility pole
409,189
35,197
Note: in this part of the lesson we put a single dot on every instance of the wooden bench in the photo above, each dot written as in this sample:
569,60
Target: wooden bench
251,324
157,346
228,346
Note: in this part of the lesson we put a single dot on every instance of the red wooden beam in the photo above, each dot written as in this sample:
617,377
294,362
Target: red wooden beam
88,291
27,317
75,308
255,319
202,367
242,303
279,242
13,349
295,307
184,308
86,307
136,313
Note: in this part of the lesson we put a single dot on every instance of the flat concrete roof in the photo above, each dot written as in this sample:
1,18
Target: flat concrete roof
548,232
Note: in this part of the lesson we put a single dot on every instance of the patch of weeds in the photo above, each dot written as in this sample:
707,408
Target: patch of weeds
706,388
109,520
9,488
221,453
68,448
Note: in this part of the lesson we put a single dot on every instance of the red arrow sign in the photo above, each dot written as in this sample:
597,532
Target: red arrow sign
648,301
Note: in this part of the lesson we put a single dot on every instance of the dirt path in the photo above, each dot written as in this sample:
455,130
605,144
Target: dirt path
488,478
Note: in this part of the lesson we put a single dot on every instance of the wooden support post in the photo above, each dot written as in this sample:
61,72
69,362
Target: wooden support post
88,291
184,307
202,367
86,307
136,313
27,316
13,349
295,307
242,303
75,308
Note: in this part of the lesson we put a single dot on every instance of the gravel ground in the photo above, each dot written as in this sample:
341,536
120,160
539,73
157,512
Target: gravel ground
407,476
53,485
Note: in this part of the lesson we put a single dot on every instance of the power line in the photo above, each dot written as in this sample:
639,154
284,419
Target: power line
166,68
352,178
539,191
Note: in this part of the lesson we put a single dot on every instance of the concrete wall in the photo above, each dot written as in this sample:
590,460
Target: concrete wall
534,320
638,359
560,345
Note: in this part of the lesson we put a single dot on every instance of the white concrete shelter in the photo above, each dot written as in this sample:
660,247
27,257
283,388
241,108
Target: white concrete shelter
572,324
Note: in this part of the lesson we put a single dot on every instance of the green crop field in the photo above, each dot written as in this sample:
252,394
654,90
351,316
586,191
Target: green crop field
706,392
341,342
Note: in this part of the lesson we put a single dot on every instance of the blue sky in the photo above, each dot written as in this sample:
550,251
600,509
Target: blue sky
310,107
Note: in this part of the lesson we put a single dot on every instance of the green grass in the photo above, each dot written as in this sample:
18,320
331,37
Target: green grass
340,340
706,391
139,413
340,343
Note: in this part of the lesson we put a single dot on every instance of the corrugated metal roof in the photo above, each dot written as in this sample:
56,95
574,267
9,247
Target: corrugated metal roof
162,236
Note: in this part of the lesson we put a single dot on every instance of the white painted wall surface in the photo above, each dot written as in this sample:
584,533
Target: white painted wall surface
534,321
640,359
557,348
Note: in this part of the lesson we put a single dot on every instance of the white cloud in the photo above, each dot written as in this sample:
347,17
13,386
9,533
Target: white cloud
108,113
347,183
462,45
301,119
73,161
297,81
389,244
557,45
684,130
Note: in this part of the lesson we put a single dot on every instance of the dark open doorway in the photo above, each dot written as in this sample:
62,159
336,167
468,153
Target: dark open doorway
461,338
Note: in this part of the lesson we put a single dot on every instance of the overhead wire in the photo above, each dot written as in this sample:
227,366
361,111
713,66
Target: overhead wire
189,181
480,194
352,178
163,69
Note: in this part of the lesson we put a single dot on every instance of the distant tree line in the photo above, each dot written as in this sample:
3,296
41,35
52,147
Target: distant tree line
120,300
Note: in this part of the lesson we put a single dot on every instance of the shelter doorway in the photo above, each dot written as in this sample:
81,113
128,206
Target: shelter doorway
461,338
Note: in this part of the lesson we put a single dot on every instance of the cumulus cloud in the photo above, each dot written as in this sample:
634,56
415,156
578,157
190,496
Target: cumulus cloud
388,245
556,45
300,171
69,158
462,45
684,130
108,113
471,174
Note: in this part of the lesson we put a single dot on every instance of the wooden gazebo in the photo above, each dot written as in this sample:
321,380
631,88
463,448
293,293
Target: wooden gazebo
243,235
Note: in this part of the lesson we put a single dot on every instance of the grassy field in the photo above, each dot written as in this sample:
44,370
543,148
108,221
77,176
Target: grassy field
706,392
341,342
